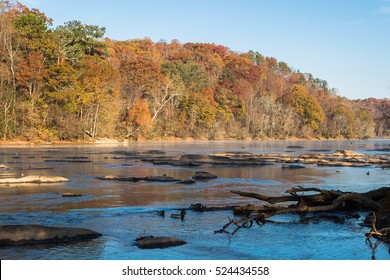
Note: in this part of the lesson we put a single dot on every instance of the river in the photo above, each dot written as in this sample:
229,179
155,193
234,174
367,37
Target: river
123,211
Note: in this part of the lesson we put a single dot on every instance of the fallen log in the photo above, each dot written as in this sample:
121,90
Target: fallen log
325,201
309,199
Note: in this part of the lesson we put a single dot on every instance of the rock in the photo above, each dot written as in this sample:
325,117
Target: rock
293,166
193,157
261,162
161,179
381,150
202,175
38,234
68,160
346,153
152,242
71,195
34,179
187,182
2,166
154,152
198,207
176,163
232,154
118,178
340,164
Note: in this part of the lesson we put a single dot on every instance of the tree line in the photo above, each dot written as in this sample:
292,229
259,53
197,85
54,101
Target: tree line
69,83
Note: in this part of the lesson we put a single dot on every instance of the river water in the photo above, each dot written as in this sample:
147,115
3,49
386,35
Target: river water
123,211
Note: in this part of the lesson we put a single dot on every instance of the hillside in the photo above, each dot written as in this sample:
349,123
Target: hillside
71,83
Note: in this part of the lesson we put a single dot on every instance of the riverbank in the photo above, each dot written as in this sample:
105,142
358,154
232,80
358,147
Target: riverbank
109,141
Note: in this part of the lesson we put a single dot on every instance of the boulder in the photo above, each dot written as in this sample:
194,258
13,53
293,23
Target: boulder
202,175
38,234
36,179
156,242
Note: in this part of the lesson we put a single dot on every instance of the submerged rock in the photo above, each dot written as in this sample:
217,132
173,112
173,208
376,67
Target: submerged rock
293,166
121,178
38,234
36,179
194,157
187,181
202,175
162,178
158,242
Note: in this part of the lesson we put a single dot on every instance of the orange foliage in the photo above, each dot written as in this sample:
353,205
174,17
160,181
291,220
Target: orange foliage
139,114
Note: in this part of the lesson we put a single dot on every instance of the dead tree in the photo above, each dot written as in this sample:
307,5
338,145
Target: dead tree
376,201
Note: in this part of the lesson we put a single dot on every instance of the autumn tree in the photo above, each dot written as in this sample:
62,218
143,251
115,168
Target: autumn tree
138,120
383,119
267,117
98,95
197,114
306,106
7,78
341,122
364,127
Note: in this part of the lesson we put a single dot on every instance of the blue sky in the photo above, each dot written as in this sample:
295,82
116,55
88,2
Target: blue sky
346,42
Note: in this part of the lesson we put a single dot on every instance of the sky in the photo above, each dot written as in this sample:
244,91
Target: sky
345,42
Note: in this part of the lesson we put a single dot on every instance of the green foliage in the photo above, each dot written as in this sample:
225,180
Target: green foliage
74,40
194,77
229,105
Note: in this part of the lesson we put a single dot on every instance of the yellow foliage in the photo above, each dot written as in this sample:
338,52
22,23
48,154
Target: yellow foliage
307,107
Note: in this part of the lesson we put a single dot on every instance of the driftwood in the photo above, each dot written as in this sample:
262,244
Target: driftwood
382,235
376,201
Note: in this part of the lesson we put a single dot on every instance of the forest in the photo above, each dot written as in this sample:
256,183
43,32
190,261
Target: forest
71,83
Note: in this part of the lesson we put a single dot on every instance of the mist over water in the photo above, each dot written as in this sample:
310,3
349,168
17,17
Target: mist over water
123,211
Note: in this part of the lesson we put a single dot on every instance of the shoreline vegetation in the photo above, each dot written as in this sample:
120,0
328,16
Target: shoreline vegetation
70,83
108,141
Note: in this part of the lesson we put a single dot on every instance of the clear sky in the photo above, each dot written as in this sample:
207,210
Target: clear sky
346,42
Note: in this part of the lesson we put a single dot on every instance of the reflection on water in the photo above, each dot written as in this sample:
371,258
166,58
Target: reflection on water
123,211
